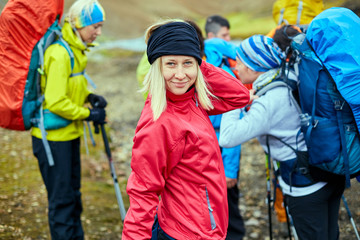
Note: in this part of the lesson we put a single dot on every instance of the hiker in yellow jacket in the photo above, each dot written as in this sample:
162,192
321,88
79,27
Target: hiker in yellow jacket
65,90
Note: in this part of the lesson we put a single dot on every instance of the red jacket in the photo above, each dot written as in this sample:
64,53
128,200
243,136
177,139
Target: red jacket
178,157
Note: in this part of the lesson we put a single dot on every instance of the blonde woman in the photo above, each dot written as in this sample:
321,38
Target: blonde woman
65,90
175,153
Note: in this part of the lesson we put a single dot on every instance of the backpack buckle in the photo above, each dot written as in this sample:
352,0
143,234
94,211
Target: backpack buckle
41,72
315,123
349,128
339,105
303,170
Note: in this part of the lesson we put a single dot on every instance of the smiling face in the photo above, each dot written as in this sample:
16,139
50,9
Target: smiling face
180,72
89,33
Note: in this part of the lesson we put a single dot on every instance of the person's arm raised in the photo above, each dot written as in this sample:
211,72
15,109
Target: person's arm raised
230,92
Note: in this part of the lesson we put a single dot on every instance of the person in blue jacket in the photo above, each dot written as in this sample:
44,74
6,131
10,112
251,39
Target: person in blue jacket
218,49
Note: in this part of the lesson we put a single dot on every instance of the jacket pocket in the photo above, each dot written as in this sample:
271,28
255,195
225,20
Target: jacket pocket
211,215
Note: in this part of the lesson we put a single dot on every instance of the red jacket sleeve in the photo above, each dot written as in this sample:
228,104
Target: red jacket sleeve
230,92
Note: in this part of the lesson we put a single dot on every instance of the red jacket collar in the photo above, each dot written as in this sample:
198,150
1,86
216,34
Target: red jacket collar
180,98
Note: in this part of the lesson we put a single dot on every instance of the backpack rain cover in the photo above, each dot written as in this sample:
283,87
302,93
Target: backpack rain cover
335,36
22,24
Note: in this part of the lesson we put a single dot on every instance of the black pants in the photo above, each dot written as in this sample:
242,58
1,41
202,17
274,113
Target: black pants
163,236
236,228
158,233
62,183
316,215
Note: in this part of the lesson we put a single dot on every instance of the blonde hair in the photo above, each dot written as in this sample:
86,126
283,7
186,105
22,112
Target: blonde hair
76,10
154,82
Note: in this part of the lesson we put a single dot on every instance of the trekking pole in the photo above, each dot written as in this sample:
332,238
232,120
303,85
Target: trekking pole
290,220
350,217
113,174
268,188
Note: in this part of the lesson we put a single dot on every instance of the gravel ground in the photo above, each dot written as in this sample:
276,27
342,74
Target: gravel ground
23,196
23,203
124,109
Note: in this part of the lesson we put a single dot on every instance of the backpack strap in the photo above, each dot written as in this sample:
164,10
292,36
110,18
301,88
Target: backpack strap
271,85
281,17
43,138
282,11
296,169
279,82
300,8
66,45
53,32
338,108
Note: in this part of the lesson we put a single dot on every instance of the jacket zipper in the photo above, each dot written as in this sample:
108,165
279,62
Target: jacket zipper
212,219
196,100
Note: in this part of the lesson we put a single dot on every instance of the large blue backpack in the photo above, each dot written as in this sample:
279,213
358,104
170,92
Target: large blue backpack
328,61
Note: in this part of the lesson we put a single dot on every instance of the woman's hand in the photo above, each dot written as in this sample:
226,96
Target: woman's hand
252,95
231,182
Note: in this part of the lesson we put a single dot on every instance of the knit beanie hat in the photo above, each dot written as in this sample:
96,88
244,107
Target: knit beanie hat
260,53
88,17
175,38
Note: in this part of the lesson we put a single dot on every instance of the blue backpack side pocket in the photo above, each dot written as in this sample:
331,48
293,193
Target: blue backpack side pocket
53,121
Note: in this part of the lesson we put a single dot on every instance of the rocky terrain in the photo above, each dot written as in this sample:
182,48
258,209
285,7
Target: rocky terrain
23,213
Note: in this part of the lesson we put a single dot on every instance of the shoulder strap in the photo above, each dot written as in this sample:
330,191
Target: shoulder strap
271,85
63,43
282,79
300,8
278,83
282,11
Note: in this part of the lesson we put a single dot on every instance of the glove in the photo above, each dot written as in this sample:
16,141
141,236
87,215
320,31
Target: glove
97,115
97,101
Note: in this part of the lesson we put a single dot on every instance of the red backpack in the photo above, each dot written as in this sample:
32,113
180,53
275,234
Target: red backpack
24,35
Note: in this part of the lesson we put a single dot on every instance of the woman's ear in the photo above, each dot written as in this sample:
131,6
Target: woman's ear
210,35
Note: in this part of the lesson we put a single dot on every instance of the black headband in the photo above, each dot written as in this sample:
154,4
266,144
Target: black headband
176,38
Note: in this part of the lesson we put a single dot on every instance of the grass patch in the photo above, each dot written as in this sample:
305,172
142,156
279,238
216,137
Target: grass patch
245,25
23,197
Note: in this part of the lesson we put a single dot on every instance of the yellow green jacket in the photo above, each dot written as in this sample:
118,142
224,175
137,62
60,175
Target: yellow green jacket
141,71
65,95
